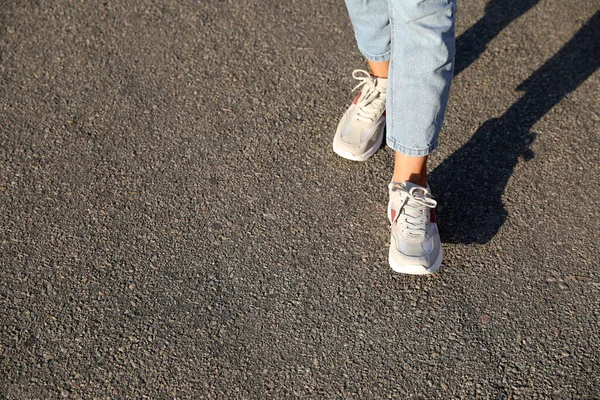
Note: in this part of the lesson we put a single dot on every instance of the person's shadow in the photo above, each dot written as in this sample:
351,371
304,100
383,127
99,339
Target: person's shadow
469,184
498,15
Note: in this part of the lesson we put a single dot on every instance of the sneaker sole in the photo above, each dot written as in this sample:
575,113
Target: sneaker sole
363,157
416,269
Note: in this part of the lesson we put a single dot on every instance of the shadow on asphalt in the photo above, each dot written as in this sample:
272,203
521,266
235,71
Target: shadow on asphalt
498,15
469,184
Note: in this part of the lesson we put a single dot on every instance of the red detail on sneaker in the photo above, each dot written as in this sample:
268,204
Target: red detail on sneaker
357,97
432,216
393,215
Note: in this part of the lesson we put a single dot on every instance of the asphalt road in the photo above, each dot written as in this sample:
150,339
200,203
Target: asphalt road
174,223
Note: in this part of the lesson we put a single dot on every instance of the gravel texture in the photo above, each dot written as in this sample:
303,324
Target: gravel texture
174,223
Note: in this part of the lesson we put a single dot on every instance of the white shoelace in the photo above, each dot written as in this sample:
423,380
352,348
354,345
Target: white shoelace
372,98
411,215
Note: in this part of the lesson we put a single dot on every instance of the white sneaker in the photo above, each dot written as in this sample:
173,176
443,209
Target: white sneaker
361,130
415,245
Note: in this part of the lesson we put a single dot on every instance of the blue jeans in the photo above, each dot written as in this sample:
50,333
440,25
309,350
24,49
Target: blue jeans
417,36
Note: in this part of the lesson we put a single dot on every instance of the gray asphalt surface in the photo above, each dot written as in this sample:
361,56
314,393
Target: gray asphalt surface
174,223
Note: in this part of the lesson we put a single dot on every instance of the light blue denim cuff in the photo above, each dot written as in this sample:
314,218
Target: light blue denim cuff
376,58
409,151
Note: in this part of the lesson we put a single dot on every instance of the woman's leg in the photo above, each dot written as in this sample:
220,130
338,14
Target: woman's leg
371,23
410,169
421,64
361,130
420,73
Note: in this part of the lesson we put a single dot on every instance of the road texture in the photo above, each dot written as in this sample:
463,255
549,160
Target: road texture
174,223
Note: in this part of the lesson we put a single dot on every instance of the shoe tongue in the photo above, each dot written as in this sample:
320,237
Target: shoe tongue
381,82
404,187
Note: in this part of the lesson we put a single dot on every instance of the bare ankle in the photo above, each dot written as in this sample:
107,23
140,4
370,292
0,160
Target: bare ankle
410,169
417,179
